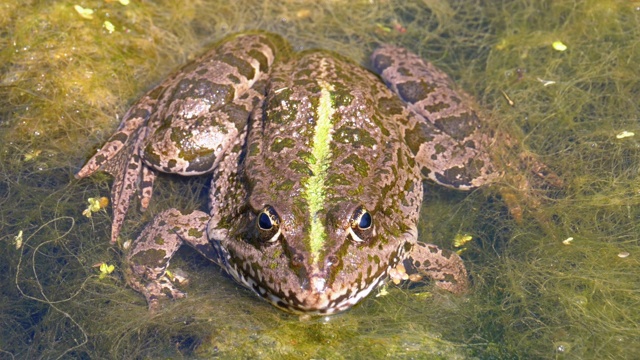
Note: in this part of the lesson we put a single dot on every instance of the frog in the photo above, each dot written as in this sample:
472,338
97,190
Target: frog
318,168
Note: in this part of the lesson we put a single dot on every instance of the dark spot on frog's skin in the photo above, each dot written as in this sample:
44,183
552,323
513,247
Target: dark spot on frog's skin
119,136
414,91
244,67
280,143
461,176
349,134
409,267
390,106
342,98
381,62
404,71
422,133
100,159
261,58
300,167
407,247
337,179
449,278
359,165
254,150
437,107
158,240
149,257
234,79
459,127
216,94
171,163
201,161
195,233
286,185
236,113
150,157
439,149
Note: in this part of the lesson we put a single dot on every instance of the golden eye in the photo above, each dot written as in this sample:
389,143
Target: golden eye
268,224
361,225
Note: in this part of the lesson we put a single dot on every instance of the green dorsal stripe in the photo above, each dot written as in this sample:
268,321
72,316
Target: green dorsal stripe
315,187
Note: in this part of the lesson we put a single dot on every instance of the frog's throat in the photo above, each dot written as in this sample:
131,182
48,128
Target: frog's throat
315,190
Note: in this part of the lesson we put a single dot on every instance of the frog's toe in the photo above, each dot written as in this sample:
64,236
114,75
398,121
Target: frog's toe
443,266
154,284
159,290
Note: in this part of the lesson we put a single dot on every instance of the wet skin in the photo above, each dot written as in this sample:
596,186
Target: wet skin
317,163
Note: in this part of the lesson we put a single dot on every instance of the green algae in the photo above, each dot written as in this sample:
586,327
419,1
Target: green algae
65,80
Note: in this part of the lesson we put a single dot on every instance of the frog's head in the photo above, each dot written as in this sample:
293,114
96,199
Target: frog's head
319,264
329,195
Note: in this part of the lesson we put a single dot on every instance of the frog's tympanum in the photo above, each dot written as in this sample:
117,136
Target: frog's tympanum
317,163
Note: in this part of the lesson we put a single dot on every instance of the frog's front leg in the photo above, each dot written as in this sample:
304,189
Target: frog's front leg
205,110
150,255
186,123
443,266
444,133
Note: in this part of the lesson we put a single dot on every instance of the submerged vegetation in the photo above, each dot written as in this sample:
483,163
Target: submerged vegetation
561,282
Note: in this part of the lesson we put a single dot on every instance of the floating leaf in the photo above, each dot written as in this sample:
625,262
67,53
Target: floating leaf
84,12
559,46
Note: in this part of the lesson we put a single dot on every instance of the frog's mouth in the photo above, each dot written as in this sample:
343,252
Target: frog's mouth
318,297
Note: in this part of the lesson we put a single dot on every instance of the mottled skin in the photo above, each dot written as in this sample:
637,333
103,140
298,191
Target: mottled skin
317,170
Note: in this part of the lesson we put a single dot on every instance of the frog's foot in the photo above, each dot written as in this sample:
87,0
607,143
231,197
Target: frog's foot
149,257
443,266
156,290
120,158
528,185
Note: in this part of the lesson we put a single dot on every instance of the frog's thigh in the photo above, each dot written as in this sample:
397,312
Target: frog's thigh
150,255
444,266
206,108
443,131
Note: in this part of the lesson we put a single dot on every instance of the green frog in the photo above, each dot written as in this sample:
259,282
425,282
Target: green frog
317,164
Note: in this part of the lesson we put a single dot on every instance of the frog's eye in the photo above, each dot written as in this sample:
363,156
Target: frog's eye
268,224
361,226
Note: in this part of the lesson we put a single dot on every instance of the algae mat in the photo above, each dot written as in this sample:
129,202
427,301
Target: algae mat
561,280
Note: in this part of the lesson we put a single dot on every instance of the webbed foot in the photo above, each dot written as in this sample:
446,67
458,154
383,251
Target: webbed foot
443,266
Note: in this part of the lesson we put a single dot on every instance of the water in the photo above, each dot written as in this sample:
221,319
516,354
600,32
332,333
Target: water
66,80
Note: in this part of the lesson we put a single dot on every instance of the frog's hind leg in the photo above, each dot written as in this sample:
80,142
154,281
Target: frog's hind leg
443,266
120,157
443,132
150,255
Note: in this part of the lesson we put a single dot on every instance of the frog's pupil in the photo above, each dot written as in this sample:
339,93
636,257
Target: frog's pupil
264,221
365,221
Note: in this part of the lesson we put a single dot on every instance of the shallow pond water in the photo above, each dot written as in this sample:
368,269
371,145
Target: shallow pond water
560,282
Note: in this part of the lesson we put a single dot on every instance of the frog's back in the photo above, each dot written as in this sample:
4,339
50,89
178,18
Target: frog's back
332,123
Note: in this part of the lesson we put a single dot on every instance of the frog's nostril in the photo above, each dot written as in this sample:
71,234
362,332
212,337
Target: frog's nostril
332,260
297,259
